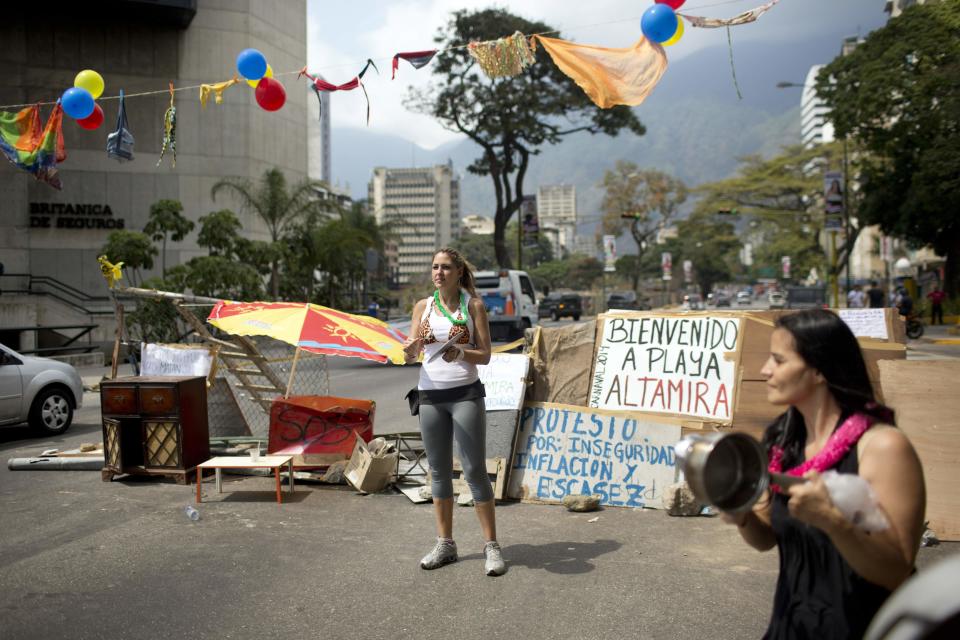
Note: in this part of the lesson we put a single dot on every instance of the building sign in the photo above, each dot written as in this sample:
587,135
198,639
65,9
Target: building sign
678,365
609,254
666,263
59,215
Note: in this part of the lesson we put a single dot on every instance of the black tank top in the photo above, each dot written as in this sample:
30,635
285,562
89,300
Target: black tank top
818,594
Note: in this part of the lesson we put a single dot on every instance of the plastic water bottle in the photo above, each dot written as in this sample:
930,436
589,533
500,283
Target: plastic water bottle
192,513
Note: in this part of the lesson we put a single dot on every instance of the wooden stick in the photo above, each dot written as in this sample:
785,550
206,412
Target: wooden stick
293,368
115,361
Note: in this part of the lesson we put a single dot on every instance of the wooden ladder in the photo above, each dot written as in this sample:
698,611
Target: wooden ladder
241,357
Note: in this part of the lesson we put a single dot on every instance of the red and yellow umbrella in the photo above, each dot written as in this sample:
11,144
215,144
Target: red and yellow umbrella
312,328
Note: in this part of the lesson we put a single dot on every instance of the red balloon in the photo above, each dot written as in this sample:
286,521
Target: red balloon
270,94
673,4
94,120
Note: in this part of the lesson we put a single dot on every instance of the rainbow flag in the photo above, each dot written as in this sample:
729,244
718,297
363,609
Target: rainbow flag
31,148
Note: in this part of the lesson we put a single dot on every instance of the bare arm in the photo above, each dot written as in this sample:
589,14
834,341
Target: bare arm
889,463
414,344
754,525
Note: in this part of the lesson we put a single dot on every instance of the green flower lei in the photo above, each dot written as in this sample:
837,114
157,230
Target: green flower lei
463,308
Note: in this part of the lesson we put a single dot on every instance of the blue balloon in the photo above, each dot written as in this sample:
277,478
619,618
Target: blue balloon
251,64
659,23
77,103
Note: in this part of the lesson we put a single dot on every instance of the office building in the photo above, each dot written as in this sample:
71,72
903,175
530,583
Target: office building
557,214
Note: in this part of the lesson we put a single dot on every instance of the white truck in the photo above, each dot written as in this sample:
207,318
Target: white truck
511,302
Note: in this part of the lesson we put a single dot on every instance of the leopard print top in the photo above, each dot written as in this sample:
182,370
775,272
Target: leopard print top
426,332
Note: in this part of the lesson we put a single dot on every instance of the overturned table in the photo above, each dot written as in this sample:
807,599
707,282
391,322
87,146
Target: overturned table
240,462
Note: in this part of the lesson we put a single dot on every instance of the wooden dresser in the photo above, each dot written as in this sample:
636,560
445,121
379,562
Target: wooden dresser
154,426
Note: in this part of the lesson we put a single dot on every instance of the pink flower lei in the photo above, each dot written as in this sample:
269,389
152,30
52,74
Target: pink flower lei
845,437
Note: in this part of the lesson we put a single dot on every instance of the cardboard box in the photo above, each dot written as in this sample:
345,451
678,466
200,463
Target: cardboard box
372,466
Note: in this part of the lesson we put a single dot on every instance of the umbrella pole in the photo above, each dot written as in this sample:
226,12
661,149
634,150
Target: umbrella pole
293,369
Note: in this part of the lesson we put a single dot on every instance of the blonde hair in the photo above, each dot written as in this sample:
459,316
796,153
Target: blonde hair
467,281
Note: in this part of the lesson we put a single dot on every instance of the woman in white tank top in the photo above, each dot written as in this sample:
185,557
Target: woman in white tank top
450,328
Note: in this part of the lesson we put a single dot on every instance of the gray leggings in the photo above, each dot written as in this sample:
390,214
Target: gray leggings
467,422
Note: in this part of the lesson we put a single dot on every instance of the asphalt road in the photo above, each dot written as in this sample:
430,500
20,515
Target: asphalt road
87,559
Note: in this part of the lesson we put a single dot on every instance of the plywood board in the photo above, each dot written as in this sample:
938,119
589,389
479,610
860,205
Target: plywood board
496,469
561,362
924,395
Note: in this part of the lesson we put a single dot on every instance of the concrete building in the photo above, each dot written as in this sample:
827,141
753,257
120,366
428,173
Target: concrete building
557,214
139,46
480,225
895,7
586,244
320,160
815,128
423,205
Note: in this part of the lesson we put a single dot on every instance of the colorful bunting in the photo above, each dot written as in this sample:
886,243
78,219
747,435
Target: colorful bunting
417,59
742,18
169,131
217,89
609,76
504,57
318,84
30,148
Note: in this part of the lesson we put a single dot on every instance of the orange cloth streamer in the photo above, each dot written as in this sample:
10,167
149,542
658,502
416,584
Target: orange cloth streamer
610,76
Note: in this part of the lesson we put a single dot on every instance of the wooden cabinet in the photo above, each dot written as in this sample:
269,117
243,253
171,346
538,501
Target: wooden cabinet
154,426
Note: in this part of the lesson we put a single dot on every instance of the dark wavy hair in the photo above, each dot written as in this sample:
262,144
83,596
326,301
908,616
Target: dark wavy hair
827,344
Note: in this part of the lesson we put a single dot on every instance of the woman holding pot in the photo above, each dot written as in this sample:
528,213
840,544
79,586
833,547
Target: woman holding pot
451,329
833,576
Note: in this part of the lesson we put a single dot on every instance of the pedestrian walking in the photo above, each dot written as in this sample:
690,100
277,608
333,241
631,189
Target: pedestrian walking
451,329
833,576
856,298
936,298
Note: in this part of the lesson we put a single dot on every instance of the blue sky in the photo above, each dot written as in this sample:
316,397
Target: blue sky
342,35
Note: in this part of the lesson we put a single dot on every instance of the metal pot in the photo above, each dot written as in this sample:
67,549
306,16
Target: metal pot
726,470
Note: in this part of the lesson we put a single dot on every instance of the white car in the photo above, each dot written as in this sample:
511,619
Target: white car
744,298
40,391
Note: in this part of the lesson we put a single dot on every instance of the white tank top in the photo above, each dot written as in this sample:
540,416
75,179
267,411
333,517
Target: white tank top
440,374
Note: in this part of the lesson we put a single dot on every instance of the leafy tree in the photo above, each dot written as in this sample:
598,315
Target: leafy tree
642,201
133,248
898,93
711,245
166,220
217,277
274,205
552,275
782,198
583,271
510,118
219,232
478,249
154,320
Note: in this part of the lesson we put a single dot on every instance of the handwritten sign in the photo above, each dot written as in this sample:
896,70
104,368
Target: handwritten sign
679,365
175,360
566,450
866,323
504,381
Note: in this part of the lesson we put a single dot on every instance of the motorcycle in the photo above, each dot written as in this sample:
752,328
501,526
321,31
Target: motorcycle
914,326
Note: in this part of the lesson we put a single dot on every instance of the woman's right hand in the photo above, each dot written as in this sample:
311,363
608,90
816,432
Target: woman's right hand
411,349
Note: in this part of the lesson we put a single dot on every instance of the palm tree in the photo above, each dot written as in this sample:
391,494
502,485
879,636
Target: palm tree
277,207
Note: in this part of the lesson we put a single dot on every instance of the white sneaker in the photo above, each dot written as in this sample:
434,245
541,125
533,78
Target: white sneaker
443,553
494,565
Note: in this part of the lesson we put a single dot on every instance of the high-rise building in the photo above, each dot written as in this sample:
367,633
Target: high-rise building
815,128
557,214
422,205
896,7
318,137
55,236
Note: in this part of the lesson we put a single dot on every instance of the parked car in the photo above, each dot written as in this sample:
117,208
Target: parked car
627,301
561,305
721,300
776,300
692,302
511,302
40,391
744,297
806,298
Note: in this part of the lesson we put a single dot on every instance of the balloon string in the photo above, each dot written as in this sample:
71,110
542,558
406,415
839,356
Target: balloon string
733,69
383,59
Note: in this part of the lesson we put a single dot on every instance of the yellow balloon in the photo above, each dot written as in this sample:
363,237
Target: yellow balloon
91,81
675,38
268,74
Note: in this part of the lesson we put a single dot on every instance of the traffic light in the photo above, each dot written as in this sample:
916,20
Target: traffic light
727,212
629,216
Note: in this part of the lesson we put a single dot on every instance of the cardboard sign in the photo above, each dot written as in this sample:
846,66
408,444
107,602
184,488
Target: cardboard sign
628,460
866,323
319,430
504,381
176,360
677,365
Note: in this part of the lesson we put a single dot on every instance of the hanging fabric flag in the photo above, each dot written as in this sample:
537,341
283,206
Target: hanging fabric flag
30,148
120,142
504,57
418,59
743,18
169,131
319,84
610,76
217,89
